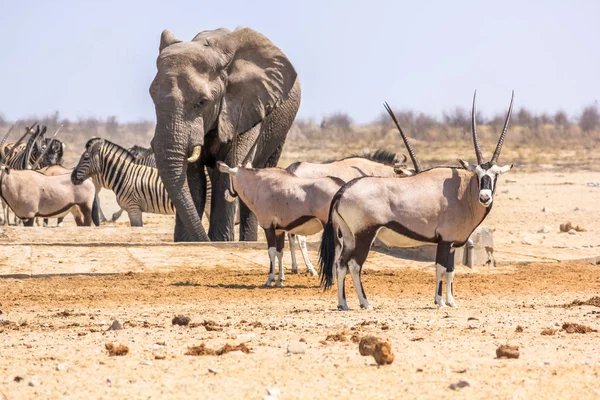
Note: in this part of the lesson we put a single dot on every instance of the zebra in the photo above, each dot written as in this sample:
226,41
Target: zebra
138,187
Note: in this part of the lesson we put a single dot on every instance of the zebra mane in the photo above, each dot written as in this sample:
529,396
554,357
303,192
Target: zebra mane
380,155
104,142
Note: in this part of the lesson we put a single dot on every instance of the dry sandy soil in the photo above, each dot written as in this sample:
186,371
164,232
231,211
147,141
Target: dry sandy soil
54,329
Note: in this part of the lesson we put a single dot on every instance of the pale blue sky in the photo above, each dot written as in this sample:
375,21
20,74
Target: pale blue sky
97,58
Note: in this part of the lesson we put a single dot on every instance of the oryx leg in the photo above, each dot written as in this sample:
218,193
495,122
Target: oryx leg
359,255
291,239
309,266
272,245
444,268
280,242
28,222
59,221
46,222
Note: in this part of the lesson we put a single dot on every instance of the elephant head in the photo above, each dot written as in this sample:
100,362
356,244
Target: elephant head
205,91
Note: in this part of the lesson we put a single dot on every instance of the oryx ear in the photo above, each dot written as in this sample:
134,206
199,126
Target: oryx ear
224,168
504,169
403,172
466,165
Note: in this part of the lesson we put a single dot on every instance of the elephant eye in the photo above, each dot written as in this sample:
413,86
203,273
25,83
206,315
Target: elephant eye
201,103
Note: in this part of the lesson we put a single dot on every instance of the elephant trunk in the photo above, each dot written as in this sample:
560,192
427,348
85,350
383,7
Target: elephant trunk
171,144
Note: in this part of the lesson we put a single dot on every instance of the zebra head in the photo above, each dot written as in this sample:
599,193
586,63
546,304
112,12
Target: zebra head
89,163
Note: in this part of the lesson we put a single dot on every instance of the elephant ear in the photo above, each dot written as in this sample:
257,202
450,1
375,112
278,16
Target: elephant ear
259,78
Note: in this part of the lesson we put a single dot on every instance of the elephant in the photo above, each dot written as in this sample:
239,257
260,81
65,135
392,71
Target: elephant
220,86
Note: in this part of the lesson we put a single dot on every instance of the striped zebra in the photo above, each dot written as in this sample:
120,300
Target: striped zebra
145,156
138,188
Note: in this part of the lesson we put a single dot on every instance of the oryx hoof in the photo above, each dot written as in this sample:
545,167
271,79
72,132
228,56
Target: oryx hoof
295,271
269,283
451,303
279,283
366,306
343,307
312,272
439,302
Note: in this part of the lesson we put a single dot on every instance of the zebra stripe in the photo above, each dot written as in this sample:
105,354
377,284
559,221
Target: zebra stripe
138,188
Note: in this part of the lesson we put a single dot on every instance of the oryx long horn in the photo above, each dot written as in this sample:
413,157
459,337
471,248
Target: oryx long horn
30,144
12,150
247,158
474,129
409,147
8,133
37,162
503,134
145,154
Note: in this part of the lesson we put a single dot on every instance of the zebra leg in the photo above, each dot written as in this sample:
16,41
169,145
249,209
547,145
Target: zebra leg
116,215
135,217
292,240
304,251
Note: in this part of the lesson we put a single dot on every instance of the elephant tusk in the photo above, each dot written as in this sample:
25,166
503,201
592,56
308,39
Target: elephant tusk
195,154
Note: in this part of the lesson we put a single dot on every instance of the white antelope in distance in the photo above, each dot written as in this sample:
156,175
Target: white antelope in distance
380,163
442,205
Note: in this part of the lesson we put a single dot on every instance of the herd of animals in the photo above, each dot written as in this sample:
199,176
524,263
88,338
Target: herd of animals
225,102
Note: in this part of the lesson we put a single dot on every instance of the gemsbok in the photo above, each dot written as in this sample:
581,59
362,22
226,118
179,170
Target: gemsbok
441,205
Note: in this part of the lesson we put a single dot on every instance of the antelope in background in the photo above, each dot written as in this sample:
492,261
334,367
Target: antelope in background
442,205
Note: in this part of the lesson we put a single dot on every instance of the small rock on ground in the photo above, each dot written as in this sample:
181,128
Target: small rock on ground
296,348
459,385
115,326
506,351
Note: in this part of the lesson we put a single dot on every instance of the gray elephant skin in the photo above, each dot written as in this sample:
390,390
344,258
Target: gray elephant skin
220,84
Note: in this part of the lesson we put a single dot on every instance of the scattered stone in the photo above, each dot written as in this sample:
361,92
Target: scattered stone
549,332
546,209
18,378
108,380
459,385
302,340
337,337
572,232
62,366
160,355
33,383
367,345
417,339
214,371
181,320
385,326
115,326
528,240
212,326
274,392
229,348
592,301
545,229
571,327
568,227
519,329
507,351
119,350
296,348
383,353
472,319
201,350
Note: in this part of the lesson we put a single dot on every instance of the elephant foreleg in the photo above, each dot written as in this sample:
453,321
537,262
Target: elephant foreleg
222,212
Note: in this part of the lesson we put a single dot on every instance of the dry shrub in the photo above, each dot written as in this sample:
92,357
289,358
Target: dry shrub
337,337
201,350
549,332
571,327
567,226
593,301
118,350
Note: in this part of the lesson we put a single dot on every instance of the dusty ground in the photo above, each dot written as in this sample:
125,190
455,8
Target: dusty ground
54,329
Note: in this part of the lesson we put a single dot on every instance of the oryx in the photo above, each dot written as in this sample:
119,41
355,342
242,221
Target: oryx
442,205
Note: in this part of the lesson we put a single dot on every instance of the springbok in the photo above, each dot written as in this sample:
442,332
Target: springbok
442,205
